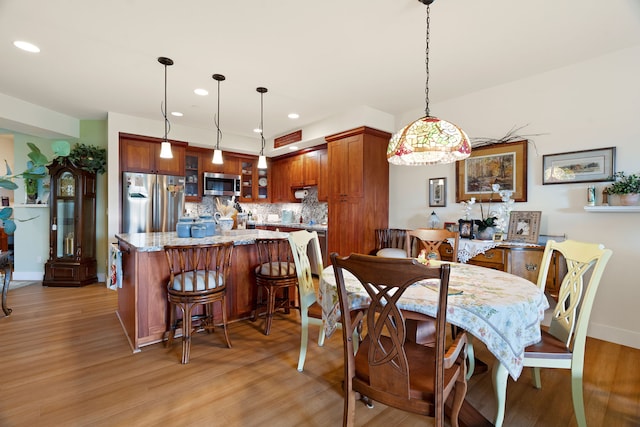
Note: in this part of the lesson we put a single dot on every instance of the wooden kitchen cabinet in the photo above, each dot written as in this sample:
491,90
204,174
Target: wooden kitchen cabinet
230,163
323,175
254,182
358,199
193,176
280,186
142,154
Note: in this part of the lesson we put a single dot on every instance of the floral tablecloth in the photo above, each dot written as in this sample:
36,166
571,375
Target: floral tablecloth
501,310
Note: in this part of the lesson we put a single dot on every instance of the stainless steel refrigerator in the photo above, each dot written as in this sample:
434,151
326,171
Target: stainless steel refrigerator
151,202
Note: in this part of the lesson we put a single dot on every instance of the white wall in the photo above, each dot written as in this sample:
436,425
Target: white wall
589,105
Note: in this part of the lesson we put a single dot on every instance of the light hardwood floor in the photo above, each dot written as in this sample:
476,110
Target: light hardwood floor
64,361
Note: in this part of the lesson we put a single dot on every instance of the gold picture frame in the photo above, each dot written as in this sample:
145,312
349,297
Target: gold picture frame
524,226
504,164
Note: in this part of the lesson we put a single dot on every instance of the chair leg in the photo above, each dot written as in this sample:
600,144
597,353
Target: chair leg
172,325
471,357
271,303
321,335
578,399
186,332
304,337
500,376
536,377
224,319
458,400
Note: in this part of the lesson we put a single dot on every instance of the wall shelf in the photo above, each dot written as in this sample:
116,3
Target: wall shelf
612,208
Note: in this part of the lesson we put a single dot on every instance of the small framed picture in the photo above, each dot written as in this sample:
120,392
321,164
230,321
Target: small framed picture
465,228
524,226
451,226
438,192
498,236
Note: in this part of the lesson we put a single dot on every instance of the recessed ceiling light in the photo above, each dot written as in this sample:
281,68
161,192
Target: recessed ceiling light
201,92
257,130
293,147
29,47
294,116
177,113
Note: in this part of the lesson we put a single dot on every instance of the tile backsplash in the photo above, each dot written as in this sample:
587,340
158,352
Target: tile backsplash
309,208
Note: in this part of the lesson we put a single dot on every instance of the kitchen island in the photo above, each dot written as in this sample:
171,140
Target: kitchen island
143,309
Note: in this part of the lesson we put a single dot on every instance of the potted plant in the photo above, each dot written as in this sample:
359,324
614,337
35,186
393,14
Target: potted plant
89,158
627,187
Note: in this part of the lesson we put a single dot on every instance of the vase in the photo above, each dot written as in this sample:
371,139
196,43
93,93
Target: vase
31,199
486,234
630,199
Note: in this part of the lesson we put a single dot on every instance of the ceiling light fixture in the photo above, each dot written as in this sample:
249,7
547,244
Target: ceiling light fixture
165,147
262,160
428,140
217,153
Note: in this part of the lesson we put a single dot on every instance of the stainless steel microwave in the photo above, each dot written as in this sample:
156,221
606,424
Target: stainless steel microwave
221,184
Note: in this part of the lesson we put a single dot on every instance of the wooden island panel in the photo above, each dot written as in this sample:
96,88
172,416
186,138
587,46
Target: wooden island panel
143,308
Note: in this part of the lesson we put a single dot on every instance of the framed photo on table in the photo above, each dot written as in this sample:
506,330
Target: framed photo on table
524,226
465,228
579,166
504,164
437,191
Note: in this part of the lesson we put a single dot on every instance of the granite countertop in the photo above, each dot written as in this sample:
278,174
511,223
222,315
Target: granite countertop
153,242
302,226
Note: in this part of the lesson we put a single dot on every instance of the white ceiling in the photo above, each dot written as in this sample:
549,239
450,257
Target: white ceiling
317,58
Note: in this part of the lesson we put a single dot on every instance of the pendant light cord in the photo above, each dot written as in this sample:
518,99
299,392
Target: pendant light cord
426,63
217,120
163,108
262,123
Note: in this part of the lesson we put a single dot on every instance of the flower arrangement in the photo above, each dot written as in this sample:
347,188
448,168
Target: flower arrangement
491,218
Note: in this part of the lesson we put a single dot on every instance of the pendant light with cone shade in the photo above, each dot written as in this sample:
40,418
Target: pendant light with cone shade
165,147
217,152
262,160
428,140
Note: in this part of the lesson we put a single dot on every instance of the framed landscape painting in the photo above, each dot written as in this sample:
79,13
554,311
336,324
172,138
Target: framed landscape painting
579,166
504,164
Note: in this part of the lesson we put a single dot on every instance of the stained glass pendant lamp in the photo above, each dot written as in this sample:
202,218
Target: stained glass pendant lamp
262,160
165,147
217,153
428,140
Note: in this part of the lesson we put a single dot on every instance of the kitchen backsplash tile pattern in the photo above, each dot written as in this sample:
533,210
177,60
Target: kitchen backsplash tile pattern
309,208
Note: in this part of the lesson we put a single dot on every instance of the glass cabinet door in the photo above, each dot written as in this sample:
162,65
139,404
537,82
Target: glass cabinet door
65,210
66,228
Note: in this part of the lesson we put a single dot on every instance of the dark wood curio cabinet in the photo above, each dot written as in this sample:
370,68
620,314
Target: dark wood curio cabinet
72,233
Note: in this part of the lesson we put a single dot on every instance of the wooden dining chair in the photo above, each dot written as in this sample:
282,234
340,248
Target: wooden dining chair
276,277
390,242
387,367
310,311
198,276
562,346
430,240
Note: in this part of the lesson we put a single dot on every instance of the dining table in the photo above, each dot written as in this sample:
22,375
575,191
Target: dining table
500,309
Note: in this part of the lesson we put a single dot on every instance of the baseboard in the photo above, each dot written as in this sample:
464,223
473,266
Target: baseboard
27,275
615,335
38,276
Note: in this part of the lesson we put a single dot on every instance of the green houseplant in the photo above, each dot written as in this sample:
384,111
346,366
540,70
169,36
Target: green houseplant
627,187
89,158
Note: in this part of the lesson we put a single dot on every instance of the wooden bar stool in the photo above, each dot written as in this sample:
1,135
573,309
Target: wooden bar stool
275,276
197,276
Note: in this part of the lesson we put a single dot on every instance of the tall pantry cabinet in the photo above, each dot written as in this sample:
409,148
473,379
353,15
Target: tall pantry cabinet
358,189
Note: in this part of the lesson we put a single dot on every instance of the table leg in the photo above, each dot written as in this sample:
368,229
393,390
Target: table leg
500,376
5,288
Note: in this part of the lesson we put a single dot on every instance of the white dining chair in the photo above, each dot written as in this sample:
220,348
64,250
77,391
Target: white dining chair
562,346
310,311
